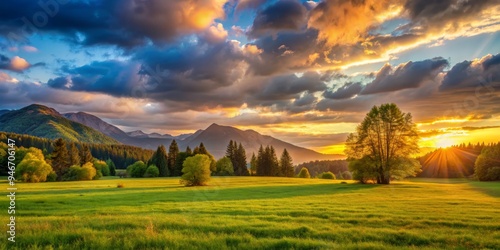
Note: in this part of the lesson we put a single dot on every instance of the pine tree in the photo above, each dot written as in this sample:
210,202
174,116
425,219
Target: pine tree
196,150
60,158
85,155
112,167
188,151
253,165
202,150
273,163
260,171
74,155
241,161
160,160
173,151
286,164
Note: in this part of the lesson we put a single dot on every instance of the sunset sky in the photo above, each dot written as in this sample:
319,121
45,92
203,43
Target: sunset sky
303,71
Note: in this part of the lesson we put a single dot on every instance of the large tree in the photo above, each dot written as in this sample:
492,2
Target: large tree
196,170
85,155
160,160
382,146
286,164
173,152
60,158
74,154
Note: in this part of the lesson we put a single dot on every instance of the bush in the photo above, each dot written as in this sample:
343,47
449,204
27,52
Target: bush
304,173
33,168
52,177
346,175
327,175
224,167
152,171
77,173
487,166
363,170
88,172
196,170
137,170
102,167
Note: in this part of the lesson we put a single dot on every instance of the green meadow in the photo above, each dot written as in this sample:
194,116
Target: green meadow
256,213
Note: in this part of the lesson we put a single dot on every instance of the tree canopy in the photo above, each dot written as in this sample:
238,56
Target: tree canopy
382,146
196,170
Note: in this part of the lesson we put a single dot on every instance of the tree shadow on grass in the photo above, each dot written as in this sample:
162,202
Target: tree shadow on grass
491,188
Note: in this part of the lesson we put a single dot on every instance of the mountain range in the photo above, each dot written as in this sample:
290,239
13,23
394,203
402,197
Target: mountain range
46,122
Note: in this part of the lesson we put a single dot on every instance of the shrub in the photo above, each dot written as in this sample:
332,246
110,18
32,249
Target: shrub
346,175
152,171
196,170
304,173
88,172
487,165
33,169
327,175
102,167
77,173
224,167
52,177
137,170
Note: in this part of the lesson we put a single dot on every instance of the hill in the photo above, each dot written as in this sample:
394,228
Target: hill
42,121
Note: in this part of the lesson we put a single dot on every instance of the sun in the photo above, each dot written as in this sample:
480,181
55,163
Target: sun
444,142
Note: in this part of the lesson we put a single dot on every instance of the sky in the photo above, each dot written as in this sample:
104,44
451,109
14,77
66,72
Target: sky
306,72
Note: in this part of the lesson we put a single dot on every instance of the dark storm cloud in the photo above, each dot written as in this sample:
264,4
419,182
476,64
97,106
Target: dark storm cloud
471,74
194,67
494,60
408,75
115,78
126,23
349,90
283,15
289,86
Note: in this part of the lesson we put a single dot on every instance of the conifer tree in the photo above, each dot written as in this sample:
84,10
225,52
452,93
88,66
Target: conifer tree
173,152
189,151
286,164
260,171
253,165
85,155
112,167
241,161
60,158
74,155
160,160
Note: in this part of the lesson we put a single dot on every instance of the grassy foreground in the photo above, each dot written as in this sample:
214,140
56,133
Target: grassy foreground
256,213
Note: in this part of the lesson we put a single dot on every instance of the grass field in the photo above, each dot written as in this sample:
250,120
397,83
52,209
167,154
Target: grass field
256,213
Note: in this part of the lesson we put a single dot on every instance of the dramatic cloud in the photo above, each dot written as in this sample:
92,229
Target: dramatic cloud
473,74
408,75
349,90
126,23
343,22
283,15
115,78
